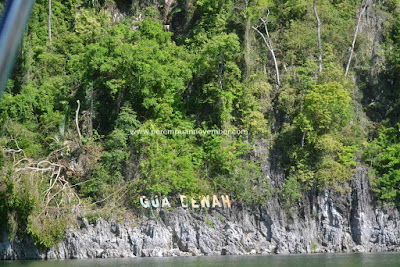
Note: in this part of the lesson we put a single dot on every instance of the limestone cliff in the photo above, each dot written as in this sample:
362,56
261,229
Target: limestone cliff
336,223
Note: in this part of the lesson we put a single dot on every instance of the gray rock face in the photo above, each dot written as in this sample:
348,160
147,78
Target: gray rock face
18,248
323,223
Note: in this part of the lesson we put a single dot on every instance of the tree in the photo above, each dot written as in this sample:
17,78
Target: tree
268,44
362,10
218,75
383,154
319,35
326,108
49,22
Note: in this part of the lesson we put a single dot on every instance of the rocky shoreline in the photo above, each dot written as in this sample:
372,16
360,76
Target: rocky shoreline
323,224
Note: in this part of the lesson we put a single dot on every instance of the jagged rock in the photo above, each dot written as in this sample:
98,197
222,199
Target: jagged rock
360,226
351,222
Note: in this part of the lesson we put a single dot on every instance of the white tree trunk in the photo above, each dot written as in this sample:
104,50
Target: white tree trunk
268,43
319,36
247,40
77,121
362,10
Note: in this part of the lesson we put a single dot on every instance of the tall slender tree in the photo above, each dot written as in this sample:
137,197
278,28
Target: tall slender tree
49,21
362,10
268,43
319,36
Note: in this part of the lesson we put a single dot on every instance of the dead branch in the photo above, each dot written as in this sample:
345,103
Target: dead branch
20,161
64,187
57,183
107,197
60,195
362,10
15,152
77,122
319,36
36,166
268,43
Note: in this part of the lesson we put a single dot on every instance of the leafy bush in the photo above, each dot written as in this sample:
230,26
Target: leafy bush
291,191
383,154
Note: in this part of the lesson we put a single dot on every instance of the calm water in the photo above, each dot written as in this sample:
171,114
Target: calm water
342,260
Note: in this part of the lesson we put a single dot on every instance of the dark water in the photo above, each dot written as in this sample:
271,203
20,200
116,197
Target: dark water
342,260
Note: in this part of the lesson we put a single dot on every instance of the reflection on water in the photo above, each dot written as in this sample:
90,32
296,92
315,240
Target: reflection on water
319,260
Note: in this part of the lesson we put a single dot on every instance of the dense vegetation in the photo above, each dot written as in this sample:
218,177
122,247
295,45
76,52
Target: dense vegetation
76,109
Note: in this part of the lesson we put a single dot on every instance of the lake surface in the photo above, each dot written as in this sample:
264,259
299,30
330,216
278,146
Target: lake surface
318,260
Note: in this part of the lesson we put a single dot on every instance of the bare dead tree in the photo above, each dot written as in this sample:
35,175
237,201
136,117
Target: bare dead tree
15,153
220,73
362,10
59,190
49,21
268,43
319,36
59,198
303,138
77,122
91,110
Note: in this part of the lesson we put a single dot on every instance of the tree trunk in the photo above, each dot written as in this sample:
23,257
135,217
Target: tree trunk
303,138
319,36
247,41
220,73
247,47
276,69
77,121
301,110
91,111
167,7
49,21
362,10
268,43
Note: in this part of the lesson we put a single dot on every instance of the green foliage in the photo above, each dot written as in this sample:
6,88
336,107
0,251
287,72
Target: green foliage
314,247
209,222
131,78
337,162
214,18
16,204
390,102
143,68
115,154
2,159
47,231
221,155
383,154
248,185
325,157
318,148
218,76
97,186
221,218
326,107
291,192
299,40
20,207
29,141
291,10
253,102
168,165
